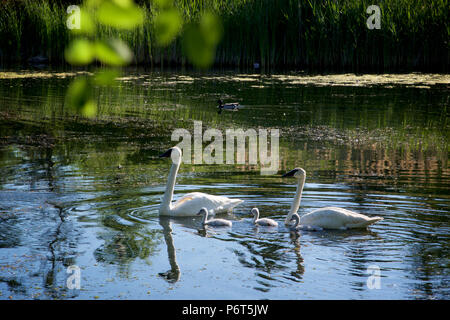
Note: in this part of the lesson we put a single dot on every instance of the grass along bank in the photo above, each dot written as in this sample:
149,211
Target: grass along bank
317,35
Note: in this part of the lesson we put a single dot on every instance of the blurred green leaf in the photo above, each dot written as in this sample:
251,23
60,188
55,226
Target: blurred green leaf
89,109
124,3
79,97
114,53
200,40
92,3
199,52
167,26
106,77
87,24
122,50
114,15
211,28
163,3
80,52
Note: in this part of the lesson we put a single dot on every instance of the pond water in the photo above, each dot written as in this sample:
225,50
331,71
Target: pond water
85,192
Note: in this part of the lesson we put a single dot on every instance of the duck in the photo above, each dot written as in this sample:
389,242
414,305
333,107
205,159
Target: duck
263,221
231,106
191,203
213,222
328,217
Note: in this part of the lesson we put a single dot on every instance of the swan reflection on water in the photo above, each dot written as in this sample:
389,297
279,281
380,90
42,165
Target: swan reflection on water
172,275
243,233
256,246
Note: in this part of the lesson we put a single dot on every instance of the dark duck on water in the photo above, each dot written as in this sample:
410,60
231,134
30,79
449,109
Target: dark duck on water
233,106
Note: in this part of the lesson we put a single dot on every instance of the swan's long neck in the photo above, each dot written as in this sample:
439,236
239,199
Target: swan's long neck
298,197
205,217
255,216
168,194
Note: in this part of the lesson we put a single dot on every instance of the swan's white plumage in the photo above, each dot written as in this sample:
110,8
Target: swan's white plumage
191,203
328,217
336,218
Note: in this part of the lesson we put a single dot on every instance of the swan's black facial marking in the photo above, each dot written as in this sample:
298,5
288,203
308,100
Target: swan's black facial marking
294,221
166,154
290,173
220,102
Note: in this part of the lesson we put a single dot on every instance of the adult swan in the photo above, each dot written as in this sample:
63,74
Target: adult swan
191,203
324,218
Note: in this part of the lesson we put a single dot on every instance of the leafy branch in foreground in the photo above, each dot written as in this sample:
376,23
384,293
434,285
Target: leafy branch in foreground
200,39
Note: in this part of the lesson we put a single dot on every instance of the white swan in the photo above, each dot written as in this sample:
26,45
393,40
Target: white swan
325,218
191,203
213,222
263,221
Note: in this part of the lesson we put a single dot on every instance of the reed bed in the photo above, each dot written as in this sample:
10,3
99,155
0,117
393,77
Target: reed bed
316,35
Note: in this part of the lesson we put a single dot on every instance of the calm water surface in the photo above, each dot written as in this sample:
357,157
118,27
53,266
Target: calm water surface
86,192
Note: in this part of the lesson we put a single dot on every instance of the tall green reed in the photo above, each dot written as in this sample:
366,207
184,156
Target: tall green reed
307,34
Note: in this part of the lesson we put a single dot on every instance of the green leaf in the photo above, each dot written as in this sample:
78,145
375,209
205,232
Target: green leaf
200,40
80,52
114,15
87,24
92,3
198,50
211,28
79,97
167,26
163,3
114,53
89,109
122,50
124,3
106,77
